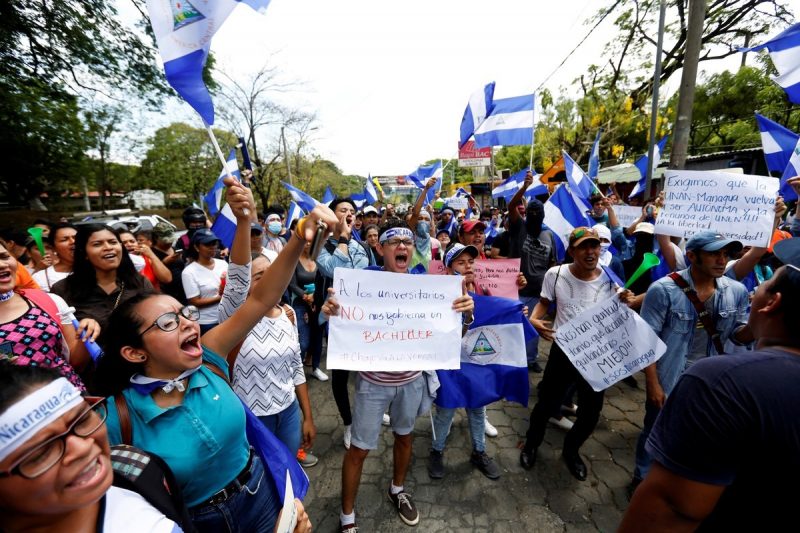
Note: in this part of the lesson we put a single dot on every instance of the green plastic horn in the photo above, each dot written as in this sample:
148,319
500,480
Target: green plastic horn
649,261
36,233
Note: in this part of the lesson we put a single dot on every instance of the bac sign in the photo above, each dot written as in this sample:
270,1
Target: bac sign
469,156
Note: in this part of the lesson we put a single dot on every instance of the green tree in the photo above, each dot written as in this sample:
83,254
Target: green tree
181,159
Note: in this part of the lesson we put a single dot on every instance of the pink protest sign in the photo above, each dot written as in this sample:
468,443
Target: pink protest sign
497,276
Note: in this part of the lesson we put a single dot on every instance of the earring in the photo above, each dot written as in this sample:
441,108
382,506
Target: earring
142,358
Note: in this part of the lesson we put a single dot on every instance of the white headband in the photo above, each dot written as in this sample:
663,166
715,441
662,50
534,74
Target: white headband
25,418
396,232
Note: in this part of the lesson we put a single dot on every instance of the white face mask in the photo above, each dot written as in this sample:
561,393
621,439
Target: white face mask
604,246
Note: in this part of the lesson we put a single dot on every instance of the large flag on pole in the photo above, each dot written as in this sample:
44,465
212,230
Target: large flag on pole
478,108
594,157
213,198
778,143
425,172
784,50
578,181
509,124
305,201
563,212
508,188
641,164
493,363
183,32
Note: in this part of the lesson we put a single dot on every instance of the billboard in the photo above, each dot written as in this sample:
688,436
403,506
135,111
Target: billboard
469,156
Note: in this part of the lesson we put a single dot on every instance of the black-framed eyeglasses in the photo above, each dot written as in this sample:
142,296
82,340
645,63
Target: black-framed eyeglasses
398,242
170,321
47,454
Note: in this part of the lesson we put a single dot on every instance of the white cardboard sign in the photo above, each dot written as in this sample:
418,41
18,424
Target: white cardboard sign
627,214
394,322
741,207
609,342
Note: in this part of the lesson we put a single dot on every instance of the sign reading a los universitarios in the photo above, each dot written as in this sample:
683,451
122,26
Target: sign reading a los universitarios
394,322
739,206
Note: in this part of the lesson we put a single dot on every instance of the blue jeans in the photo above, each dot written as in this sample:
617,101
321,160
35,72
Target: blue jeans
309,333
286,426
255,508
532,347
443,419
643,458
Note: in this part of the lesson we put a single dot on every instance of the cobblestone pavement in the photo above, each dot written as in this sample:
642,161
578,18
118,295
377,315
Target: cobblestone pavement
547,498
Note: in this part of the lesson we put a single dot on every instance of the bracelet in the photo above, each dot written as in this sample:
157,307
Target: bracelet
344,240
299,229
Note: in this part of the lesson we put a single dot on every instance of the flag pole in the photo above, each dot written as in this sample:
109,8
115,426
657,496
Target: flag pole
222,158
533,132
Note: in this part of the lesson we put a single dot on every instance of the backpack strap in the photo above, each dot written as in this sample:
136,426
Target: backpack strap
43,301
124,416
702,314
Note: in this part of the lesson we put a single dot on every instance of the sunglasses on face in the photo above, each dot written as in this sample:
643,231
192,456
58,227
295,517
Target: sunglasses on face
170,321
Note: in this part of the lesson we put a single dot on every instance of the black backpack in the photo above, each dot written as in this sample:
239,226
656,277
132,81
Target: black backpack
148,475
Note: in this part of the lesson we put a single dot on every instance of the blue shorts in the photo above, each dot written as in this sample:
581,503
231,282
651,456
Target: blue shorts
372,400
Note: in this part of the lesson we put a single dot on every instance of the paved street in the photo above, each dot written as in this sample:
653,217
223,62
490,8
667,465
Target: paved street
547,498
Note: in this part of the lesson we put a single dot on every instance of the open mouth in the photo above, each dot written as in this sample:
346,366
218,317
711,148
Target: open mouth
191,346
111,256
90,475
401,259
5,276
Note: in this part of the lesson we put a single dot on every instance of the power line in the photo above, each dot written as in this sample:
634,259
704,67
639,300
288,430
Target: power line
576,47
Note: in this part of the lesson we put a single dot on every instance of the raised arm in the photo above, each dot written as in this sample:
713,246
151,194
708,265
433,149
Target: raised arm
412,221
517,198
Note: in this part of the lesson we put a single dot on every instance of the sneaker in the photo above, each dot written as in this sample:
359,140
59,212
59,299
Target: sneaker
319,374
569,410
387,421
489,429
306,459
535,367
485,464
347,436
349,528
563,422
405,507
436,465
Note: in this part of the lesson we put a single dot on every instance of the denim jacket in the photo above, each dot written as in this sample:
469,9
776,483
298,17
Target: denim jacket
356,258
672,316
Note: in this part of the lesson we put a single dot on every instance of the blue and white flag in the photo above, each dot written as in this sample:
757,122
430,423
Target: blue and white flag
359,200
425,172
579,182
594,157
641,164
224,227
493,361
563,212
490,233
328,197
508,188
792,170
778,143
305,201
478,108
183,32
294,213
784,50
213,198
509,124
369,190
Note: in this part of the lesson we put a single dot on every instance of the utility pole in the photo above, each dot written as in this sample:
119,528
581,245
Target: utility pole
683,118
286,157
654,107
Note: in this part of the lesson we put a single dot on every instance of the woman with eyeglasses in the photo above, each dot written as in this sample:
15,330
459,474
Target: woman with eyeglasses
55,469
183,410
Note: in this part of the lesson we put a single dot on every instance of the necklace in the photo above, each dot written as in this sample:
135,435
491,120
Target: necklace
6,296
146,385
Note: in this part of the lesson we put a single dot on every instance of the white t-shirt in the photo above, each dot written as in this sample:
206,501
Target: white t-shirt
573,295
204,282
48,277
126,511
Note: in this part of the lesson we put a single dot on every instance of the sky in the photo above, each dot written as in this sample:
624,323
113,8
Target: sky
389,81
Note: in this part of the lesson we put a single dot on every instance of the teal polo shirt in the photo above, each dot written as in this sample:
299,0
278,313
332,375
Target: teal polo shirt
203,440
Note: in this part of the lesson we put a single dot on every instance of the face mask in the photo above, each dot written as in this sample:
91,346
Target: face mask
534,217
604,246
274,227
423,227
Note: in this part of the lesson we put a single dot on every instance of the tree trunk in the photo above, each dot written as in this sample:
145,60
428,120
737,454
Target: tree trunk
683,115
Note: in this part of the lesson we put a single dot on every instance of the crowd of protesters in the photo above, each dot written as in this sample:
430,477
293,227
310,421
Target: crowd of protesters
197,338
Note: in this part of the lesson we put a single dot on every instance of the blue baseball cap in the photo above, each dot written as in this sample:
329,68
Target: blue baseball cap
458,249
204,236
711,241
788,251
